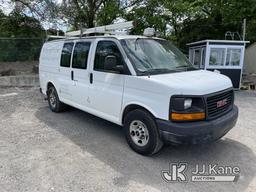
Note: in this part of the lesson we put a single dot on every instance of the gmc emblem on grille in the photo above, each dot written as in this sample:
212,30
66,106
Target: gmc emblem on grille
221,103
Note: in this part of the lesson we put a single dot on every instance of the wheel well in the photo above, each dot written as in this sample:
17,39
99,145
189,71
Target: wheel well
133,107
49,84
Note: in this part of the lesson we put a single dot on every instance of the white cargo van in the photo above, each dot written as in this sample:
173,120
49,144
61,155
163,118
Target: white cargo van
144,84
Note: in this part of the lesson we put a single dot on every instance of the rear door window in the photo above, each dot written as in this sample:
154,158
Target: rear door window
66,55
80,55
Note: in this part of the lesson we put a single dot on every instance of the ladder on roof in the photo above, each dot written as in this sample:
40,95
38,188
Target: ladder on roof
107,29
117,28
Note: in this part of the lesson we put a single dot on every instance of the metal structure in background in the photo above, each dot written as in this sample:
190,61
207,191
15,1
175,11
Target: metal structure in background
229,35
232,35
225,56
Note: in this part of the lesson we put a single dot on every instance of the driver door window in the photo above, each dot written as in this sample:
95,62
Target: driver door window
104,49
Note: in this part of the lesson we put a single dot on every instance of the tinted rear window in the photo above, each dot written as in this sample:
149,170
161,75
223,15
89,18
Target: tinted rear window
80,55
66,54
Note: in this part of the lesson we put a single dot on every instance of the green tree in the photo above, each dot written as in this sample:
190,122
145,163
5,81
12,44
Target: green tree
44,11
81,13
207,19
17,25
21,37
182,21
147,14
88,13
109,11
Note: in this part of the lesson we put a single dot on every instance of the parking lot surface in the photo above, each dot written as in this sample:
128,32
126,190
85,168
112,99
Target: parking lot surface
75,151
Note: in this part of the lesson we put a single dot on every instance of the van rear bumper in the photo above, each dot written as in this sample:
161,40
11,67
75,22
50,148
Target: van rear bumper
197,132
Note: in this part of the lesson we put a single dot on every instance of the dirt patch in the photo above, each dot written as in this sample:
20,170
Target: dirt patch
18,68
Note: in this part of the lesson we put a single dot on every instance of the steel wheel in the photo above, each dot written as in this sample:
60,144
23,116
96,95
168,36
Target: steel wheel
139,133
52,98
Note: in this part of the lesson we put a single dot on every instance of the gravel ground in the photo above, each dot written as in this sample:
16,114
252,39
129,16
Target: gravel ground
75,151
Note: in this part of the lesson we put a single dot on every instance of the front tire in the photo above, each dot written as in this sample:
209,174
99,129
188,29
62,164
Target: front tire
142,133
53,100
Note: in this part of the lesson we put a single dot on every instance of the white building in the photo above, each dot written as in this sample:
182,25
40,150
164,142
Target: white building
250,59
225,56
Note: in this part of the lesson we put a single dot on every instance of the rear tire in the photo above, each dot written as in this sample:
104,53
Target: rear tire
53,100
142,133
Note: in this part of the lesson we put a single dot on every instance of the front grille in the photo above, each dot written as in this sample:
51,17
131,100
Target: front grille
219,104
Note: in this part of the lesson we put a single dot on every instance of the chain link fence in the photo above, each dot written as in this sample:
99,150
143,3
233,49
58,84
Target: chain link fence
20,49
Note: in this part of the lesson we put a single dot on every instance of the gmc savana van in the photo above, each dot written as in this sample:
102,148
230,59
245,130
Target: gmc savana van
144,84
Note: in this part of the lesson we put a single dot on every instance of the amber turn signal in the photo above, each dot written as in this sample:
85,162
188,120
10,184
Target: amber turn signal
187,116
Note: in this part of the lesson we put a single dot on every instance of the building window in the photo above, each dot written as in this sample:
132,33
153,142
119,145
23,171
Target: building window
197,58
233,57
217,56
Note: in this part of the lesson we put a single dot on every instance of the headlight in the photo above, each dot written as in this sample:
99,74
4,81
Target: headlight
187,103
187,108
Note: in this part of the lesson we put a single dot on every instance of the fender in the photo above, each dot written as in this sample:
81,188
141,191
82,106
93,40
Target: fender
141,105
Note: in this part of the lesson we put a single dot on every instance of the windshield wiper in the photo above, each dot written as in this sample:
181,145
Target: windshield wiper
157,71
182,66
186,67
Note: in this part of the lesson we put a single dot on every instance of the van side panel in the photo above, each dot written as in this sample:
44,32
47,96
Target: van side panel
148,94
49,64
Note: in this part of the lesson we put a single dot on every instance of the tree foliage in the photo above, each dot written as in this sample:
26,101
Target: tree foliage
21,37
88,13
182,21
44,11
108,12
17,25
214,18
81,13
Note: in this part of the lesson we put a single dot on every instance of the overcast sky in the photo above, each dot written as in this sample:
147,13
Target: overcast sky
6,6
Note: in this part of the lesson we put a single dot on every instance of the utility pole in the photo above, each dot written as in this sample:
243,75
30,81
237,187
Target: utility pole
244,29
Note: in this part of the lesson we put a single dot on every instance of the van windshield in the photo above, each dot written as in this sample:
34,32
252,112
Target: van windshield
155,56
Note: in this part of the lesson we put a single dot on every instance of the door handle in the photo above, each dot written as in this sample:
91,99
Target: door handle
91,78
72,75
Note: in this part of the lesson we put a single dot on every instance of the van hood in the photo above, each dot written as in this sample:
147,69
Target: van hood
197,82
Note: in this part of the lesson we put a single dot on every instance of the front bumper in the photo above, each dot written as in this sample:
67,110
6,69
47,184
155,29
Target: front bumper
197,132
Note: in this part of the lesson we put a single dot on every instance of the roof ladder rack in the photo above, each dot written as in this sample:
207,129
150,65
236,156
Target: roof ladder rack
107,29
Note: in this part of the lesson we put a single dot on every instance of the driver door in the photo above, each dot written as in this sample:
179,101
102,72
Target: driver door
106,87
